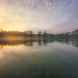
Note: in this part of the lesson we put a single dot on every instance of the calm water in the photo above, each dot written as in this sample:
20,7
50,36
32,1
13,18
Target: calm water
54,59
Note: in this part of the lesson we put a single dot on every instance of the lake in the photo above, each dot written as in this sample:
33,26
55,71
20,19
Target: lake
51,59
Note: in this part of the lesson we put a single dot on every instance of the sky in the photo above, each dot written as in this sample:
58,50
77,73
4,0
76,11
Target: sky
54,16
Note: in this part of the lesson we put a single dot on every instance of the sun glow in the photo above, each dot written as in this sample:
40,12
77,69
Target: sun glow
11,37
10,22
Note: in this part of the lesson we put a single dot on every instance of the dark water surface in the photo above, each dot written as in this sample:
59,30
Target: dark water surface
39,60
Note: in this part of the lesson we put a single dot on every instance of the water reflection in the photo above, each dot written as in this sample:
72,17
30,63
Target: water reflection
71,42
39,59
27,43
40,43
75,43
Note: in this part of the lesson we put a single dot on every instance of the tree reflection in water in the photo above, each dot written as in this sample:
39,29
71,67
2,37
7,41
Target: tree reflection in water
40,42
17,63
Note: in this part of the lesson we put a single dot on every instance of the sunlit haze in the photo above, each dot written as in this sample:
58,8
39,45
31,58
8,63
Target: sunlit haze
54,16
